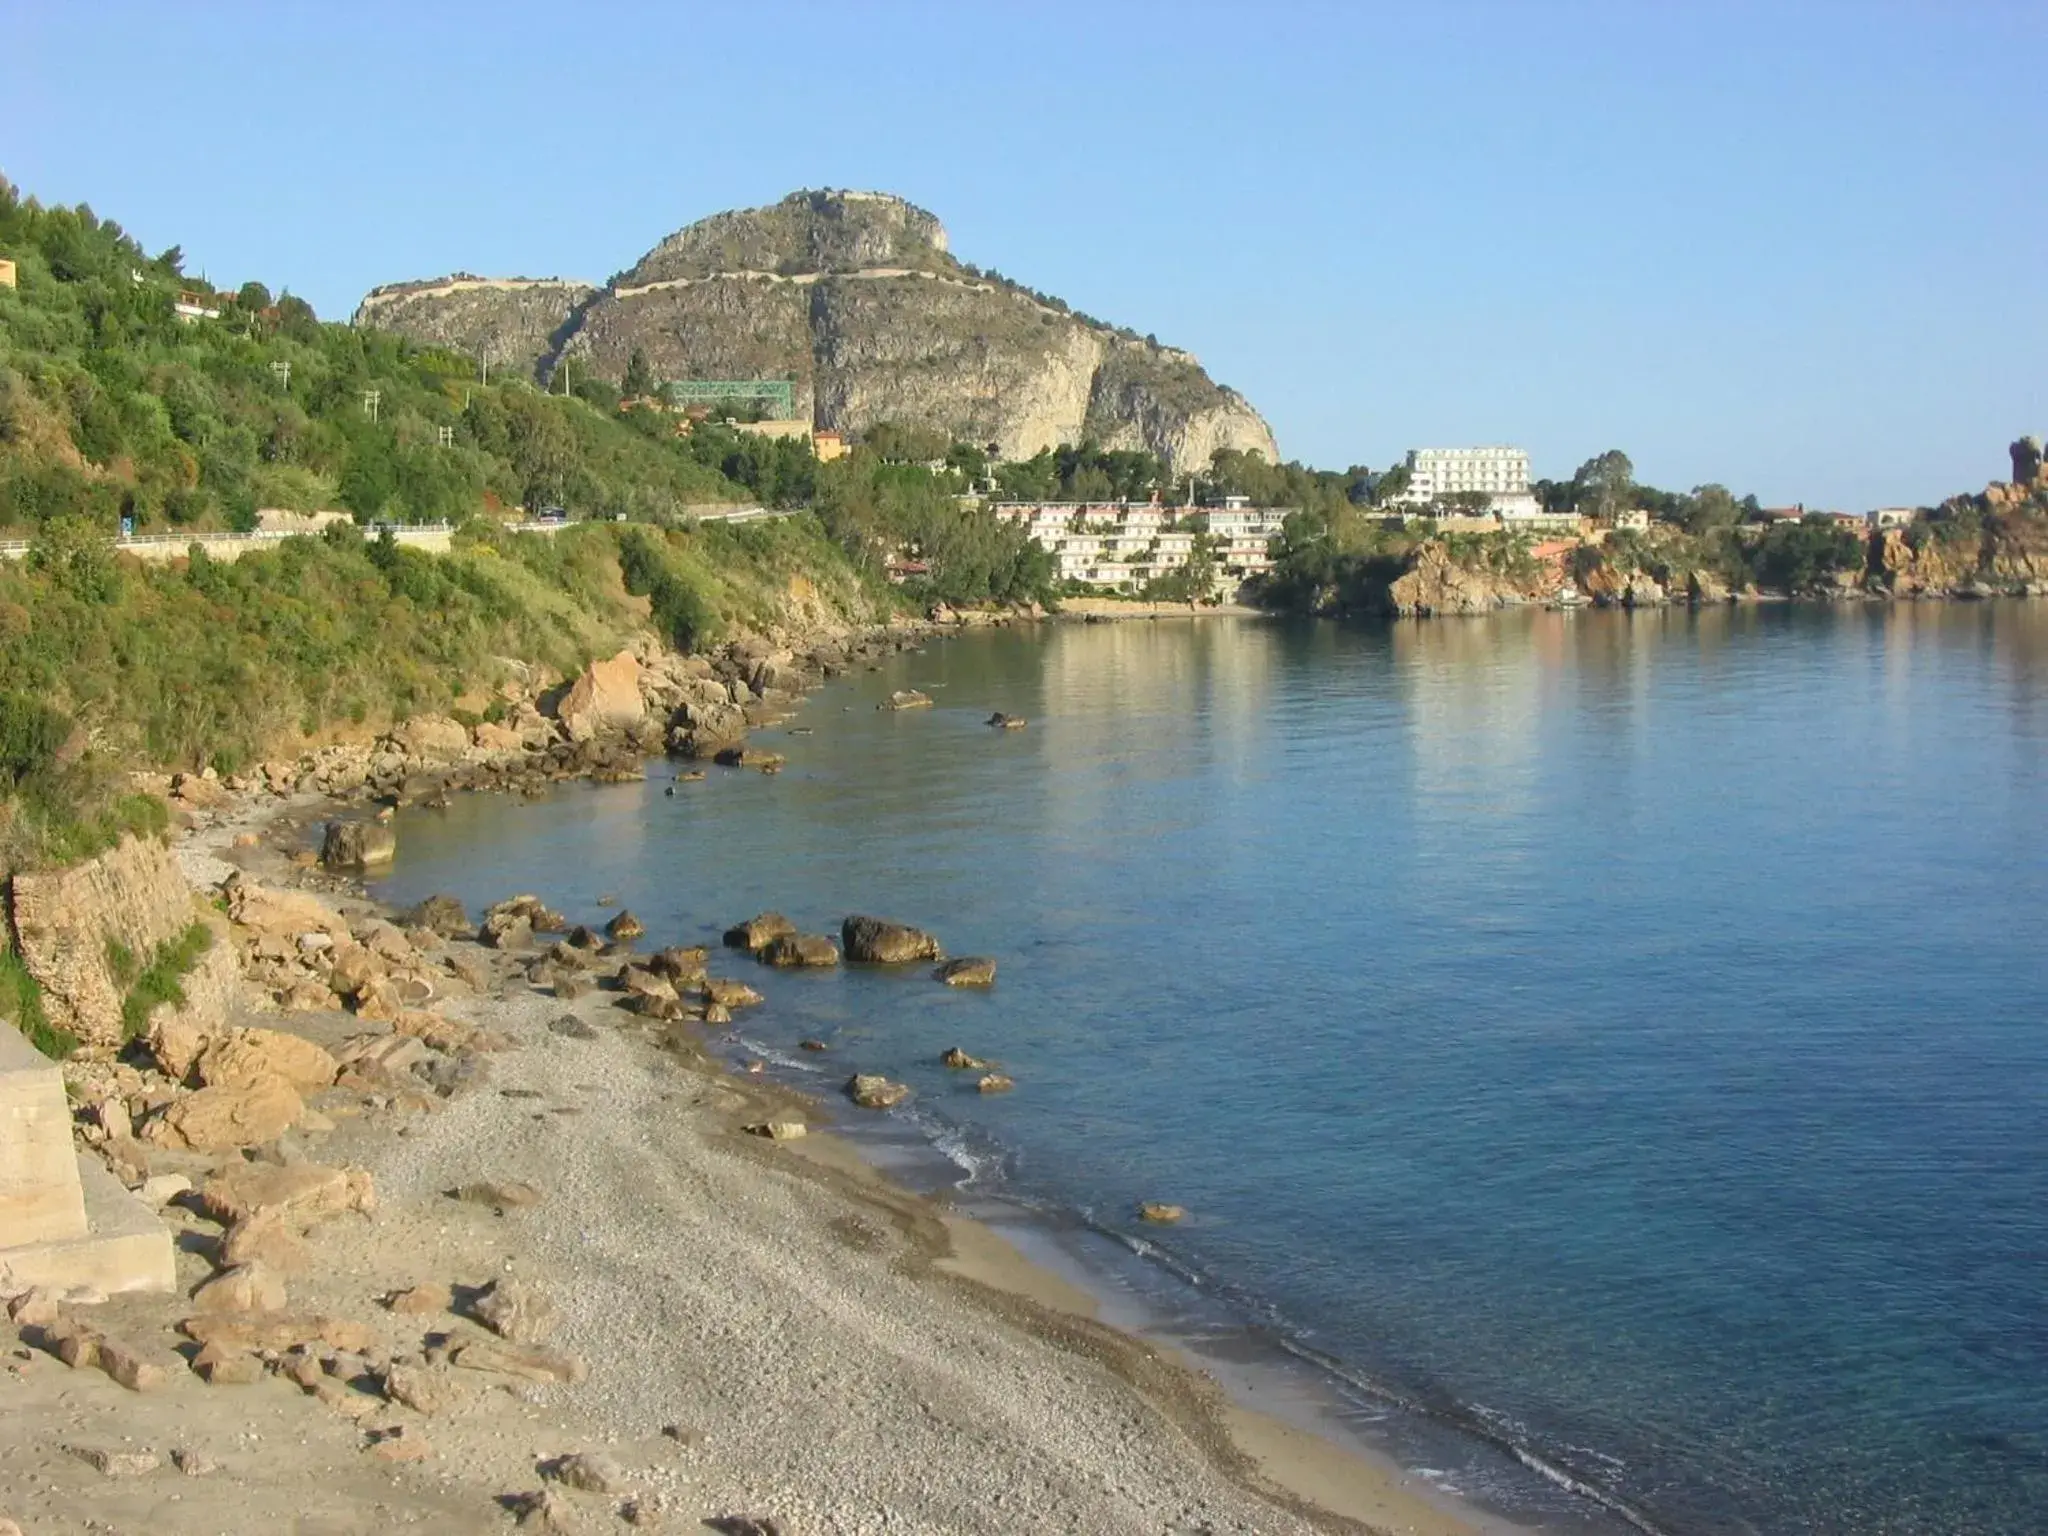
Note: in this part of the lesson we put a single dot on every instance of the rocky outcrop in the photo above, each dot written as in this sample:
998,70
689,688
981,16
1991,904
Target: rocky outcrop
67,925
855,299
1435,584
605,698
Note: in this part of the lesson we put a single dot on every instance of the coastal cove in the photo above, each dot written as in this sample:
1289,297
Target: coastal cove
1618,1034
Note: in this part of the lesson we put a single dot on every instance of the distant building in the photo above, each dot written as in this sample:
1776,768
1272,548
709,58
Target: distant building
1634,519
190,306
828,446
1892,517
6,273
783,429
1435,473
1120,546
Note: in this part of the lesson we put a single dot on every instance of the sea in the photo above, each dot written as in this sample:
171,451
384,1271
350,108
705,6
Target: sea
1603,1056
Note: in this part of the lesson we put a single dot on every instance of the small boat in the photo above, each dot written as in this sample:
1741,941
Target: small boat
1568,598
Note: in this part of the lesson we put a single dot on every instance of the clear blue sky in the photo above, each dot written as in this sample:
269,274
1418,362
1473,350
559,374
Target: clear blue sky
1795,247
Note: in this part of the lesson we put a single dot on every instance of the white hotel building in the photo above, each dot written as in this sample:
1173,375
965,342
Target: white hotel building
1500,474
1116,545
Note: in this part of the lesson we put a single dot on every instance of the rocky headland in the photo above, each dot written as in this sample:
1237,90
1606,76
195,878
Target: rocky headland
856,299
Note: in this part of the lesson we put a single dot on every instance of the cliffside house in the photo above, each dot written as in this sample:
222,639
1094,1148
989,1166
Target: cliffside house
191,305
7,278
828,446
1632,519
1771,516
1892,517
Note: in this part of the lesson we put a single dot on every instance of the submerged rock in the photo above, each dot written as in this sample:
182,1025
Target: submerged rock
1161,1214
906,698
960,1061
1003,722
968,971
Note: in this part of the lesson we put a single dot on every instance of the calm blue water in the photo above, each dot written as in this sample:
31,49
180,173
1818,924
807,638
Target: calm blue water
1624,1034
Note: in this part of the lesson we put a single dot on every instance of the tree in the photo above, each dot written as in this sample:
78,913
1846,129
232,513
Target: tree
252,296
1391,484
1605,486
639,380
1709,507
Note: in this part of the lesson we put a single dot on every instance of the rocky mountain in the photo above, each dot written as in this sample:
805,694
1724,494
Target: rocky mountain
856,298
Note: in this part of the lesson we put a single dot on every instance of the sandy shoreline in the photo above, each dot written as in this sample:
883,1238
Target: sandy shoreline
826,1347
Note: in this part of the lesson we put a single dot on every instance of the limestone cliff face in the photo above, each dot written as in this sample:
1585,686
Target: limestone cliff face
507,322
63,922
856,299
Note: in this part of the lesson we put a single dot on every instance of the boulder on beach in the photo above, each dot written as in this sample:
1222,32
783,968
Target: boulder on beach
870,1090
968,971
679,962
877,941
624,926
755,933
778,1130
442,915
906,698
796,951
605,698
518,919
357,845
723,993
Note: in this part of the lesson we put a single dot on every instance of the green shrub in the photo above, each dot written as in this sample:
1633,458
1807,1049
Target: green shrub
163,980
21,1003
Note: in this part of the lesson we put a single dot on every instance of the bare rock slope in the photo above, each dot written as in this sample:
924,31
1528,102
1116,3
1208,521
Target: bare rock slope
856,299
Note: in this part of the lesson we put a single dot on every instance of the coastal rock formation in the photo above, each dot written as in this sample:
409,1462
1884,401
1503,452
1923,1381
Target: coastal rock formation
856,300
796,951
358,845
755,934
65,924
968,971
870,1090
877,941
1436,584
605,698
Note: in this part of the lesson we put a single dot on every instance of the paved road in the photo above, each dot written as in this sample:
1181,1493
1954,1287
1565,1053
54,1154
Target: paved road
434,538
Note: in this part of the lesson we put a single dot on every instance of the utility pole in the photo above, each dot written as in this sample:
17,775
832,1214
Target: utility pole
283,371
446,435
370,399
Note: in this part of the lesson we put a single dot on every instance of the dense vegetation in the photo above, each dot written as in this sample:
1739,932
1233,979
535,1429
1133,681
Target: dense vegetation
112,407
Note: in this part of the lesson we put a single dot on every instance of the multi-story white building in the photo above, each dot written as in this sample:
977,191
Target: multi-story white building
1118,546
1499,474
1434,473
